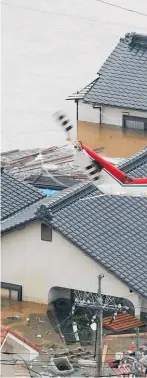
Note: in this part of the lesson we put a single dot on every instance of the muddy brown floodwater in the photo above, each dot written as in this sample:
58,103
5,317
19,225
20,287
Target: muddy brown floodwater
38,323
114,140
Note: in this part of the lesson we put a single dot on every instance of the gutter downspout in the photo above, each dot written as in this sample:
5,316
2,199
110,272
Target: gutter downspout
77,115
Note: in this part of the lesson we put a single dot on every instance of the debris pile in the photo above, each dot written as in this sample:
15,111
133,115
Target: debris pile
59,160
53,160
130,362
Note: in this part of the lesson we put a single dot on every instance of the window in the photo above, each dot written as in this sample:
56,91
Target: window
46,232
137,123
11,291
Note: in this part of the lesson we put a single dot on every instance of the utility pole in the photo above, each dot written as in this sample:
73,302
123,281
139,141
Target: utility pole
98,306
138,354
99,340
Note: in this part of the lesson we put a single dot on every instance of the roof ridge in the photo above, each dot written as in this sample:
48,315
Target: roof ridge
136,39
68,196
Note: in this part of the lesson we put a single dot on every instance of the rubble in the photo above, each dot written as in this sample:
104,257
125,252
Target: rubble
55,160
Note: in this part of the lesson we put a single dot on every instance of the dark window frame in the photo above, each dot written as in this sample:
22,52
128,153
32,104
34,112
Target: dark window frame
133,118
46,232
13,287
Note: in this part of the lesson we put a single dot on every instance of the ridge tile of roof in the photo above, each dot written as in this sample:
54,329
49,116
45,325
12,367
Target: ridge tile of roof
69,195
6,330
122,79
16,195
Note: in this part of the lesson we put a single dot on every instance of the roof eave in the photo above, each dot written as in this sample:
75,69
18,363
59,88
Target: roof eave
113,106
19,226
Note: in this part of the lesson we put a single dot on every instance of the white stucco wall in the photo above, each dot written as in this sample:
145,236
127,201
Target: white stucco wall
144,306
39,265
109,115
22,349
113,116
87,113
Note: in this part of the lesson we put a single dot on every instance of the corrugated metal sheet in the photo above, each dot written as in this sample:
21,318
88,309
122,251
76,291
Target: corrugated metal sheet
122,322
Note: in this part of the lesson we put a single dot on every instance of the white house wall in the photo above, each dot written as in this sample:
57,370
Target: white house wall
88,114
7,369
20,347
109,115
39,265
113,116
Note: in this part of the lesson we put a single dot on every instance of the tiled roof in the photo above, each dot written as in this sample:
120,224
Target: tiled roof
67,196
110,229
16,195
136,165
81,94
122,322
123,371
22,217
122,79
6,330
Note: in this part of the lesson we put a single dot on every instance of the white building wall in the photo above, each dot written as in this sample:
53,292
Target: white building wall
109,115
88,114
144,305
22,349
39,265
7,369
114,116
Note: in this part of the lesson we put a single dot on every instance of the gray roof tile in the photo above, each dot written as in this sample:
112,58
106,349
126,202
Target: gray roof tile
110,229
22,217
122,79
136,165
67,195
16,195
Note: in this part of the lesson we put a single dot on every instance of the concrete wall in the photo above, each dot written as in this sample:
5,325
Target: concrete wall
39,266
109,115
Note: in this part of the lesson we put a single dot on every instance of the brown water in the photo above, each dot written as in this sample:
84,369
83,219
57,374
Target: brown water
32,321
115,142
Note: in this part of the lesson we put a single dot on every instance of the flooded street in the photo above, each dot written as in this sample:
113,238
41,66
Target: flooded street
114,140
32,321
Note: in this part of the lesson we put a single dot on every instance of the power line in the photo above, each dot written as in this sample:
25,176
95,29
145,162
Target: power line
123,8
45,11
103,376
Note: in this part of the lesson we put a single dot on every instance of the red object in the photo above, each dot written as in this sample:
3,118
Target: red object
132,348
114,171
122,322
6,330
